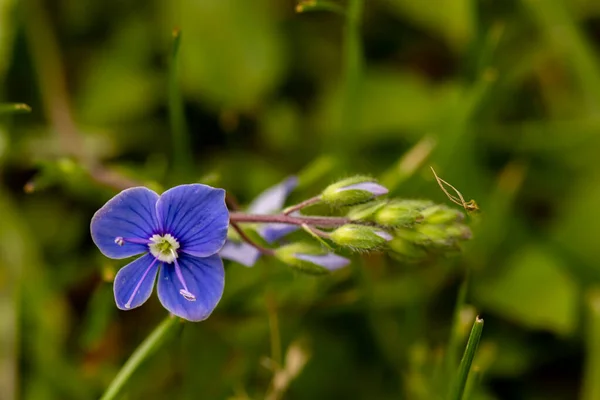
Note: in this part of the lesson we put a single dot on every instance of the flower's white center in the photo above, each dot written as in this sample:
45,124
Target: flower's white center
164,247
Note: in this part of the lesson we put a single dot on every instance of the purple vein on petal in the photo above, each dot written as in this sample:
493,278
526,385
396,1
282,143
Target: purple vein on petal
137,287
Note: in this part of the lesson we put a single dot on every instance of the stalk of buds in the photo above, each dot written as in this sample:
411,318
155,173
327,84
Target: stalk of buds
411,230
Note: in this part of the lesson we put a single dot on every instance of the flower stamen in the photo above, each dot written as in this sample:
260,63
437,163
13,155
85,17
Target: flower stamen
164,247
119,240
184,292
137,287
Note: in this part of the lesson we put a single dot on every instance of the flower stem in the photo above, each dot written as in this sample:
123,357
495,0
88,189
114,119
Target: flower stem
318,234
251,242
304,204
148,346
324,222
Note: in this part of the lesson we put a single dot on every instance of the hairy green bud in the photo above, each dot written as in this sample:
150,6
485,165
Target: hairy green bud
351,191
407,250
310,259
366,211
440,215
400,213
288,253
360,236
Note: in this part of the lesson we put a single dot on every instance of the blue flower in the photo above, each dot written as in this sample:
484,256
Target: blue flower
268,202
179,234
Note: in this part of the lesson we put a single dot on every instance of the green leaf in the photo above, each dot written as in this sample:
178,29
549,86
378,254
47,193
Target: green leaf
454,19
390,102
232,54
535,290
14,108
7,24
118,86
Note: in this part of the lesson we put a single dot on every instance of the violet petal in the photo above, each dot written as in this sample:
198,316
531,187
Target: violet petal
130,214
196,215
205,280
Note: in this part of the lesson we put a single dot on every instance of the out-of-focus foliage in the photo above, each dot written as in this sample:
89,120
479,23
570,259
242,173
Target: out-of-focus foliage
501,97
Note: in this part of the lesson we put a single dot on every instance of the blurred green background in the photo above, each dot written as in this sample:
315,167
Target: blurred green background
501,97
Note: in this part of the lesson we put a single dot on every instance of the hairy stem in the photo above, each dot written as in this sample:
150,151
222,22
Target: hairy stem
300,206
251,242
324,222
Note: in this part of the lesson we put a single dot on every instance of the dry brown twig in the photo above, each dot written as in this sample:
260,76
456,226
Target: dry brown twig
470,205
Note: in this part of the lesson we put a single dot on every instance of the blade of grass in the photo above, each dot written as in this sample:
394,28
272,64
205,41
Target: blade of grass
591,375
408,164
560,27
353,68
454,341
182,157
472,382
460,381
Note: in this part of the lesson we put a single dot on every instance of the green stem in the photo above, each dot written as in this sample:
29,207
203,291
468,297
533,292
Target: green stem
300,206
353,60
318,235
460,380
182,158
148,346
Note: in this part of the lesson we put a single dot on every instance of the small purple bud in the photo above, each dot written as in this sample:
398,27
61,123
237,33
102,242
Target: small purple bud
351,191
310,259
374,188
240,252
384,235
329,261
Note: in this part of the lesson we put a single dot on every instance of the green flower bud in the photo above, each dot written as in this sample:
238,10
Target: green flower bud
351,191
412,236
364,212
406,250
310,259
440,215
459,232
400,213
438,235
360,237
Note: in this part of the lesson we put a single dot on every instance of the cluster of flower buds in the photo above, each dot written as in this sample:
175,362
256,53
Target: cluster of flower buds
407,229
411,229
419,227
